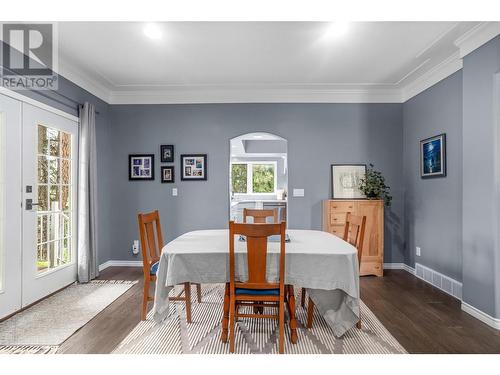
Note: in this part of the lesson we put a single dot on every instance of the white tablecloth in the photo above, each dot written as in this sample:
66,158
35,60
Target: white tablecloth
319,261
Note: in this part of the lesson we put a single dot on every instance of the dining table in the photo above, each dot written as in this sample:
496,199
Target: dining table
321,262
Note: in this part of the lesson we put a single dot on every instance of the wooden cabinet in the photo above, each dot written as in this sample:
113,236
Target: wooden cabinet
334,215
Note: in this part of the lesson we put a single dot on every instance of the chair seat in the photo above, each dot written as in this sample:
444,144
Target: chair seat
154,268
257,292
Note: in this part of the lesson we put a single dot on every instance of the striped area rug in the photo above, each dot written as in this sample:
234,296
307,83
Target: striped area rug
175,336
41,328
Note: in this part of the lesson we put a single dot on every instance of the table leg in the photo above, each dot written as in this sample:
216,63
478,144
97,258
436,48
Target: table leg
291,311
225,319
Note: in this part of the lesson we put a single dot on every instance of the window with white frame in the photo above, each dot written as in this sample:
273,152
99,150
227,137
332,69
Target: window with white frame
256,177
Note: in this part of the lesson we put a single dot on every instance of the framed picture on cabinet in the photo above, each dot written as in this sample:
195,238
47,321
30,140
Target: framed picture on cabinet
346,179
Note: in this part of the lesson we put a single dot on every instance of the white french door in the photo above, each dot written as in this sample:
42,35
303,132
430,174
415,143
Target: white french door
10,205
49,188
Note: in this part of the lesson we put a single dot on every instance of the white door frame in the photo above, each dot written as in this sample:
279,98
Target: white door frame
10,204
38,285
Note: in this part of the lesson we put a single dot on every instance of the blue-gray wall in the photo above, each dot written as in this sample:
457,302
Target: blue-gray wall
433,207
481,182
317,134
455,220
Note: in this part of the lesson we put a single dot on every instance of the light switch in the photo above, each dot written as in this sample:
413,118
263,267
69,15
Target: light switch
298,192
174,192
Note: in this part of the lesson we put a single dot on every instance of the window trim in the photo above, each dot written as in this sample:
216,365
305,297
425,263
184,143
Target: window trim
249,165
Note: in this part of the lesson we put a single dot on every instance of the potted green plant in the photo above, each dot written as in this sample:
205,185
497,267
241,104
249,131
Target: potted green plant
374,187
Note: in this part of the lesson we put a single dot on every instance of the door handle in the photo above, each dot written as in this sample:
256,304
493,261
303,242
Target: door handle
30,204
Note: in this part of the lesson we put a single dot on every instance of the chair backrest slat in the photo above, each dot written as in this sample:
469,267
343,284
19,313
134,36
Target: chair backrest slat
354,232
256,247
151,242
260,216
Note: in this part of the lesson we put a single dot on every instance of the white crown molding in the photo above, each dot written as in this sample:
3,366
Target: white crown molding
477,36
444,69
481,315
355,93
82,79
250,94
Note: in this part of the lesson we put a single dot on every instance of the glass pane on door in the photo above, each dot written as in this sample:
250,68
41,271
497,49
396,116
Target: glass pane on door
55,186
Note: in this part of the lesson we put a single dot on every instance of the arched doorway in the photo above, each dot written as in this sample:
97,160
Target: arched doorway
258,174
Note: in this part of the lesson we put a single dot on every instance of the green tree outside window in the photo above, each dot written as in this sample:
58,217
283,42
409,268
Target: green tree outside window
263,178
239,178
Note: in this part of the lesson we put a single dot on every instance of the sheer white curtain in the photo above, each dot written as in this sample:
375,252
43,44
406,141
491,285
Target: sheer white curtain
88,267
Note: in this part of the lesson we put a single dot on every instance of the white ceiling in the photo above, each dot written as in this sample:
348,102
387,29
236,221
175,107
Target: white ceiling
203,62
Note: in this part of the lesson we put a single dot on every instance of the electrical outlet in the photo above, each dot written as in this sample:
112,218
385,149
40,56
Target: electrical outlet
298,192
174,192
417,251
135,247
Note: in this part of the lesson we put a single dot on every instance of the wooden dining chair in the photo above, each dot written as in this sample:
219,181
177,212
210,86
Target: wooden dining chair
354,233
260,216
151,246
256,289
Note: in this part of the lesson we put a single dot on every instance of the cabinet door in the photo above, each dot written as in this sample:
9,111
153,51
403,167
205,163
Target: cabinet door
373,243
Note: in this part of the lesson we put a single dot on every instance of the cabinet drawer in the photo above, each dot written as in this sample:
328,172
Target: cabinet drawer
342,206
337,230
338,218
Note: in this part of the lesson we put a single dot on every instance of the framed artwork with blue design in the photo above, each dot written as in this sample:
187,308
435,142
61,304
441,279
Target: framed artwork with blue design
433,156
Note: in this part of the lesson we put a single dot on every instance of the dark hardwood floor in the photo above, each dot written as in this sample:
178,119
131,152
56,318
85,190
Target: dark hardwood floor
422,318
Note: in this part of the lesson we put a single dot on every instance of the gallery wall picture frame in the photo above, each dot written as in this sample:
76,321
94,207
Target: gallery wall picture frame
141,167
194,167
433,156
346,179
167,174
167,153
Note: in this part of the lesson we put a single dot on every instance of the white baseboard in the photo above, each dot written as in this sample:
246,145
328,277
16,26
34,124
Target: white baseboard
399,266
482,316
120,263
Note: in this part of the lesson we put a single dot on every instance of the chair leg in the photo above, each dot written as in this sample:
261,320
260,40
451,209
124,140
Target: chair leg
303,298
187,295
225,318
281,347
291,311
198,292
232,322
145,298
310,313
